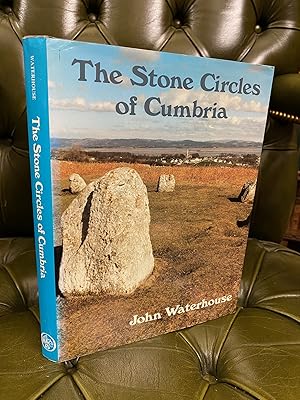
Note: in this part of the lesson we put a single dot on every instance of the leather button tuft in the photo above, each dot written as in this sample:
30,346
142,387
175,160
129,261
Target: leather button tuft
71,365
258,29
8,10
210,378
92,17
177,23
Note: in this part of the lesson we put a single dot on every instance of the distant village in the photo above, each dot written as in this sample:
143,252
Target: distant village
239,160
187,157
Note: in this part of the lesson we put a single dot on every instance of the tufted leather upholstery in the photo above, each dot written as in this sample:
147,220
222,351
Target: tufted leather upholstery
253,354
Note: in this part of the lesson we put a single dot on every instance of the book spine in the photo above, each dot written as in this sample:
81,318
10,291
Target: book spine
36,87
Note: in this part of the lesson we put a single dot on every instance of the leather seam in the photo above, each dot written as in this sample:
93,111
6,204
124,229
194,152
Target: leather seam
167,39
2,200
234,385
78,388
101,28
255,10
276,312
15,284
85,4
128,387
9,244
243,391
203,392
20,152
286,251
254,276
40,394
191,5
7,309
220,346
185,339
247,48
232,321
272,26
31,310
74,35
278,296
12,25
201,53
171,10
191,346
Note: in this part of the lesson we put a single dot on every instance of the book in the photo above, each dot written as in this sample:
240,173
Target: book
143,170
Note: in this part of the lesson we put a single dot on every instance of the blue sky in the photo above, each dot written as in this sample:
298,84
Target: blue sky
88,109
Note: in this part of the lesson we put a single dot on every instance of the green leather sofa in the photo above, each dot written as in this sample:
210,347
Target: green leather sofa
252,354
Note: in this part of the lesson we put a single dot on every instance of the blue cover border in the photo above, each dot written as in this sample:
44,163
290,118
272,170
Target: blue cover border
36,85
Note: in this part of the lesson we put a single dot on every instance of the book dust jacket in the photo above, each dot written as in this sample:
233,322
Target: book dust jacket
143,168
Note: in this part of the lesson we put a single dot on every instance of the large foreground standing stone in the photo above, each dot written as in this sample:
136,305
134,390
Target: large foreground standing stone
106,241
166,183
76,183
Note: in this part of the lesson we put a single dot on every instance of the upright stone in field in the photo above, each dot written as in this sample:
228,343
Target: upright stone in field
76,183
106,240
248,192
166,183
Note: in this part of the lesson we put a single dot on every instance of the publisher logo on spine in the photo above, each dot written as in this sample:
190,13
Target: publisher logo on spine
48,342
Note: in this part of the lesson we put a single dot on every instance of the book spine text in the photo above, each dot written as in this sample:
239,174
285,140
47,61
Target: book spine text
36,84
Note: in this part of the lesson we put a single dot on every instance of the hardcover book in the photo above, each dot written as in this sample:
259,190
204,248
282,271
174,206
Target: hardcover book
143,169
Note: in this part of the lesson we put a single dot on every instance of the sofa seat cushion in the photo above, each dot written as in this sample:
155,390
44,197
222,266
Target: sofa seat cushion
240,356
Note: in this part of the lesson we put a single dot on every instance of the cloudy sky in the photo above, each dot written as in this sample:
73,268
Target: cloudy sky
87,109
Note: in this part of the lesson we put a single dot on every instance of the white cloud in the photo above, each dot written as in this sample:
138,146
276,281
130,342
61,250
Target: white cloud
102,106
229,101
51,84
80,104
126,81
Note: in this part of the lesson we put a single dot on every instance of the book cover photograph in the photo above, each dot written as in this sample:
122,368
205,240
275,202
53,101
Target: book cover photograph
143,169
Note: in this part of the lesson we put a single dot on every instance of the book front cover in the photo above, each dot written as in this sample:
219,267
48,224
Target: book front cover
152,156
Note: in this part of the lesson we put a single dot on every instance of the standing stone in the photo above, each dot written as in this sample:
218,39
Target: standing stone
106,240
248,192
166,183
76,183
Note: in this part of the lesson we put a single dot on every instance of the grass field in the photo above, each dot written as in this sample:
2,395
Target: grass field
198,252
185,174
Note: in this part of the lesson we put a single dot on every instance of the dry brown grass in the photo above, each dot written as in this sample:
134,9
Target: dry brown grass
198,252
191,175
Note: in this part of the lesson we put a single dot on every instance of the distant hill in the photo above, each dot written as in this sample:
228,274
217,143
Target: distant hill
148,143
